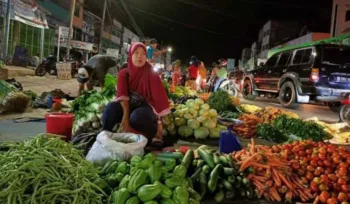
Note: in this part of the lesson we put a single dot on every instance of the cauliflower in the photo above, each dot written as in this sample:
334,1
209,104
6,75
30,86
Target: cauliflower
199,101
188,116
203,112
205,107
212,113
201,119
215,132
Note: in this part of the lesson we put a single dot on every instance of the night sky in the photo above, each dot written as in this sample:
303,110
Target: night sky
211,29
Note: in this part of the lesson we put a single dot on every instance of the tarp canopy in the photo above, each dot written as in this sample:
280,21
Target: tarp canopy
342,40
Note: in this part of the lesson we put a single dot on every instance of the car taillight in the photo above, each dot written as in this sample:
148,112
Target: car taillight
315,75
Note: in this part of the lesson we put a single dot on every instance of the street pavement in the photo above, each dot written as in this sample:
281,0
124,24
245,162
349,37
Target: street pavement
10,130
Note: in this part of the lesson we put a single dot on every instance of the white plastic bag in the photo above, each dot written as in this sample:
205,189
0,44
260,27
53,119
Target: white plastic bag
116,146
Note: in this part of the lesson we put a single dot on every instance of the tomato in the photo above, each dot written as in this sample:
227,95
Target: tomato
314,187
327,163
314,157
310,168
308,151
320,169
342,197
317,172
332,177
317,180
323,187
336,159
324,196
341,181
320,163
304,180
342,172
344,203
314,163
345,188
332,201
337,186
302,153
309,176
329,171
344,165
295,165
301,172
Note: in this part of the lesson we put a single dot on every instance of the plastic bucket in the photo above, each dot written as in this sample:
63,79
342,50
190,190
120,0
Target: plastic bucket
60,124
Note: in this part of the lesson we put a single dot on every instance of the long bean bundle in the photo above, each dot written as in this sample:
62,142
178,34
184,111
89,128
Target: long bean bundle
46,170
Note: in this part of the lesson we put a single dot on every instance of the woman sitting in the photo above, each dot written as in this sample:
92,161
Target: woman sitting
141,98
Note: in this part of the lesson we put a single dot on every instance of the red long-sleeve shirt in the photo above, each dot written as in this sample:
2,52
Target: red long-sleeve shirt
193,71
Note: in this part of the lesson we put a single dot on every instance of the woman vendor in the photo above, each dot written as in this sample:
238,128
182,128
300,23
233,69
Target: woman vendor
141,98
193,73
176,75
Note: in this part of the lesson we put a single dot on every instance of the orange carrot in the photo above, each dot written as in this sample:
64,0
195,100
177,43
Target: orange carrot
260,165
316,200
274,194
245,164
252,149
276,178
283,178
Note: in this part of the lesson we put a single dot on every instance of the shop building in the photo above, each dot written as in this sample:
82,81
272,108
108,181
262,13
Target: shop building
340,18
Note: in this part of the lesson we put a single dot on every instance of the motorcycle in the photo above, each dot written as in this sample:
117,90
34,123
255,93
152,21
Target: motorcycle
227,85
48,65
75,66
344,112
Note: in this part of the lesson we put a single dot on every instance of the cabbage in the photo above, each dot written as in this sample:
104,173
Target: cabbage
171,127
215,132
185,131
188,116
179,122
205,107
179,113
212,113
194,113
193,106
189,101
199,101
201,119
209,124
192,123
203,112
166,121
222,127
201,133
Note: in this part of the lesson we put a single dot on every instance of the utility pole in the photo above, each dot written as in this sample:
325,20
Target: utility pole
102,25
7,29
72,8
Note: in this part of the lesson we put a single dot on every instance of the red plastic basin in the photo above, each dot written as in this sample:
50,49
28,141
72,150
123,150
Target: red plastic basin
60,124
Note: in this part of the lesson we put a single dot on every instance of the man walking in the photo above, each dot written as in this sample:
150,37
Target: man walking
151,53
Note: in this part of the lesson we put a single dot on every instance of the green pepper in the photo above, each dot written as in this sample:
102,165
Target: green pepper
181,195
135,160
122,168
173,182
146,163
120,196
103,185
106,166
180,171
194,195
113,180
166,192
133,200
154,173
111,169
148,192
167,201
170,164
138,179
125,181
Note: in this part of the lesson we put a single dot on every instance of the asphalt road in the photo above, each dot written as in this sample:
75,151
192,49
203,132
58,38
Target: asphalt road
304,110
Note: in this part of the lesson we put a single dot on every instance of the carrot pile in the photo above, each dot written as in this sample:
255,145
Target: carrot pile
248,128
204,96
270,174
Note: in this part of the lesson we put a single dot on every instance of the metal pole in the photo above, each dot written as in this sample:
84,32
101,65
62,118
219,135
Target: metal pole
42,39
7,29
102,25
58,44
70,26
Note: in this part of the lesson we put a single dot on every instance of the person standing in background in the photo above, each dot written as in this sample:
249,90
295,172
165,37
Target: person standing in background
176,75
203,75
151,53
193,72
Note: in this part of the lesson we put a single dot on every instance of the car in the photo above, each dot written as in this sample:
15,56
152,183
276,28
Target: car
319,72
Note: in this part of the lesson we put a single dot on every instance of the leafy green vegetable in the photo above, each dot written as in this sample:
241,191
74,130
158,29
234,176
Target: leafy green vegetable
220,101
269,132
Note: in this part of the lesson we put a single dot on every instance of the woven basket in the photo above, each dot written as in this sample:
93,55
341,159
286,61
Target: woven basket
64,71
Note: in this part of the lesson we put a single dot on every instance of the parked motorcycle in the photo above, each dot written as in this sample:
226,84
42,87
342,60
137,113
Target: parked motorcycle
227,85
48,65
344,112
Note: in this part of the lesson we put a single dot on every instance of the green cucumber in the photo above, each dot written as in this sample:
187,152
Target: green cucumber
187,159
216,159
196,174
206,157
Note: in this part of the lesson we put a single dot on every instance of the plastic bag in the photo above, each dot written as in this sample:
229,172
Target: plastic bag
116,146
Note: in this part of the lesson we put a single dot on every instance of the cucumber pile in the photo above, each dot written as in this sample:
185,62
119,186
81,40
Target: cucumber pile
213,174
217,175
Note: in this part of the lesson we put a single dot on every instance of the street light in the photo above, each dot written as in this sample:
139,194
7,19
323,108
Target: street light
169,49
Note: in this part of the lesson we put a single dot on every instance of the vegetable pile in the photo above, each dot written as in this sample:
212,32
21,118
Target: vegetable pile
46,170
88,108
182,94
11,99
150,180
195,118
217,175
220,101
322,167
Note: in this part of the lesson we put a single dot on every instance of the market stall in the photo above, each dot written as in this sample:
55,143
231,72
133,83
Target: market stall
253,154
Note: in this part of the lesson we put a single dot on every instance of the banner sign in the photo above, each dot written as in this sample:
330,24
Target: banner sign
28,14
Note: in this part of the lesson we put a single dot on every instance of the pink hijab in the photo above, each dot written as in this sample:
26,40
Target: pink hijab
145,82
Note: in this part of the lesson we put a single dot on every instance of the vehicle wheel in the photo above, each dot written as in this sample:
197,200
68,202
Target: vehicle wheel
229,89
288,95
247,90
40,70
344,113
334,106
